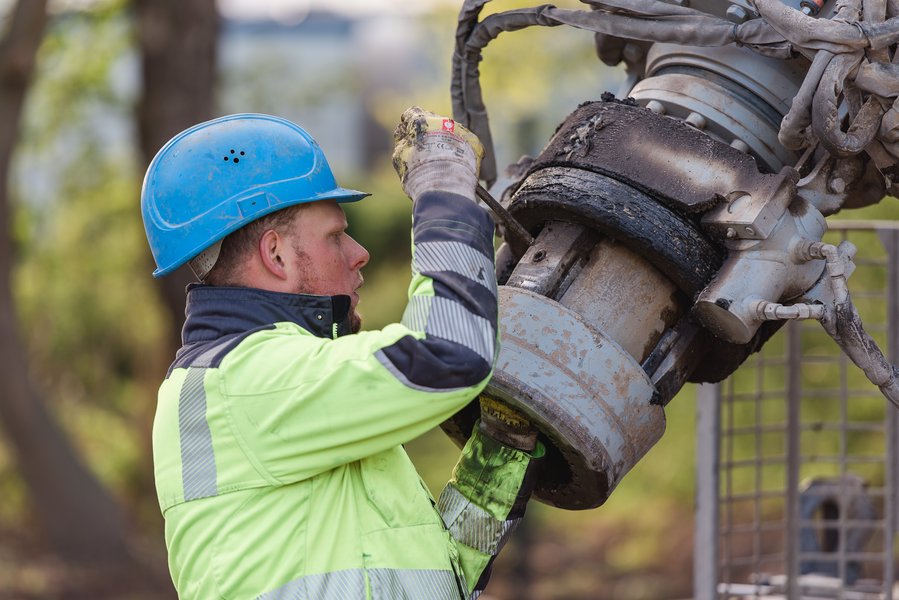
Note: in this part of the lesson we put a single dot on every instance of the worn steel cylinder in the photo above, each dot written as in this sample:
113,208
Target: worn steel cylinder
589,395
624,296
572,363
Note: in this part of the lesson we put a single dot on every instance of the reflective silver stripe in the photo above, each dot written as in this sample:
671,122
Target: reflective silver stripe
324,586
415,316
207,356
413,584
386,584
457,258
451,321
198,473
471,524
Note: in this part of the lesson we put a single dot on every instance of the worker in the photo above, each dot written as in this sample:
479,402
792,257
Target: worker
277,442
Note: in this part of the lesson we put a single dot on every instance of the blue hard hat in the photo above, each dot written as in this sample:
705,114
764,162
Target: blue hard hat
217,176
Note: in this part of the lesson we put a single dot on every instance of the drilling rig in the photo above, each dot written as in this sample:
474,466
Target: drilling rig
666,232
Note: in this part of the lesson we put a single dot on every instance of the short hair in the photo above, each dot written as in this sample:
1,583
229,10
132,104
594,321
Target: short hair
238,245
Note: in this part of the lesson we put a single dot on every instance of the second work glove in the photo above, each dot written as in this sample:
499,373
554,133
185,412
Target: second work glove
434,153
506,425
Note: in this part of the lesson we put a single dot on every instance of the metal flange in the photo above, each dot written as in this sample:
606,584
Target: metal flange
589,397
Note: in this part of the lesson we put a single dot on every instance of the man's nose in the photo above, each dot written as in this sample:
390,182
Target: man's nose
360,256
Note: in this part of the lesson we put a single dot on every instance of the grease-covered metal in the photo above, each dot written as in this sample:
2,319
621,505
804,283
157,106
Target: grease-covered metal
675,163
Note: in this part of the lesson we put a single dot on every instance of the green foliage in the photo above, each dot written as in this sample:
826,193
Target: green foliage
82,294
88,310
531,79
75,90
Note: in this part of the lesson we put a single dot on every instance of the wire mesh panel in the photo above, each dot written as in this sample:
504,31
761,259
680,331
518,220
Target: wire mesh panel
797,456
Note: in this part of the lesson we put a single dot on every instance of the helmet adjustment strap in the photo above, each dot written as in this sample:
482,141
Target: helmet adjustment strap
202,263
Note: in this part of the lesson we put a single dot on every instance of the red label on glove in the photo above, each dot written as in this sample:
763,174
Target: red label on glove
449,125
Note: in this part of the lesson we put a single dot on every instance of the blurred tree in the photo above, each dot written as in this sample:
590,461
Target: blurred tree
177,41
78,517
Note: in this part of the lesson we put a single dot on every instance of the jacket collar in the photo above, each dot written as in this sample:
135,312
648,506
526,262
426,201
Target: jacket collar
215,312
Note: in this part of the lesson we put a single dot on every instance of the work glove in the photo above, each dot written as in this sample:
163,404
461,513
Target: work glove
434,153
506,425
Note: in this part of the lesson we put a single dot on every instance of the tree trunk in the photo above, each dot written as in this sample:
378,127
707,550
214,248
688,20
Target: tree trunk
79,519
178,41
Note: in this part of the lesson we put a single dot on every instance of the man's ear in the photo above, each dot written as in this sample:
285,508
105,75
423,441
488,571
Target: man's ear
272,246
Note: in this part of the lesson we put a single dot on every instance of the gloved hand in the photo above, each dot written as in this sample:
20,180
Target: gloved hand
434,153
506,425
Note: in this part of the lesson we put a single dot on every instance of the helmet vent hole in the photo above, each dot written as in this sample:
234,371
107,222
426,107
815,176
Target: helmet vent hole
234,158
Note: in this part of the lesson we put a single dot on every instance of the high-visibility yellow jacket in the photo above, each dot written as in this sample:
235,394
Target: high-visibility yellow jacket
277,440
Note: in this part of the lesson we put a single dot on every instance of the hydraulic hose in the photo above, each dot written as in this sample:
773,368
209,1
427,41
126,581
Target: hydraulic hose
842,322
842,49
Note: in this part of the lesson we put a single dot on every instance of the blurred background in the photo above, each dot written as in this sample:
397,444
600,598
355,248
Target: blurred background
89,91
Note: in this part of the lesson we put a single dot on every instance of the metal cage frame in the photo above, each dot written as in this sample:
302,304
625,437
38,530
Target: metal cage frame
833,533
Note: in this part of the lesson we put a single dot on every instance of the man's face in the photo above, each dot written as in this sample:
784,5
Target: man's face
328,261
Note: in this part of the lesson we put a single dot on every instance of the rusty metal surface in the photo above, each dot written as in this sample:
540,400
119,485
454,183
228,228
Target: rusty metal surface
590,398
622,295
548,263
682,353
